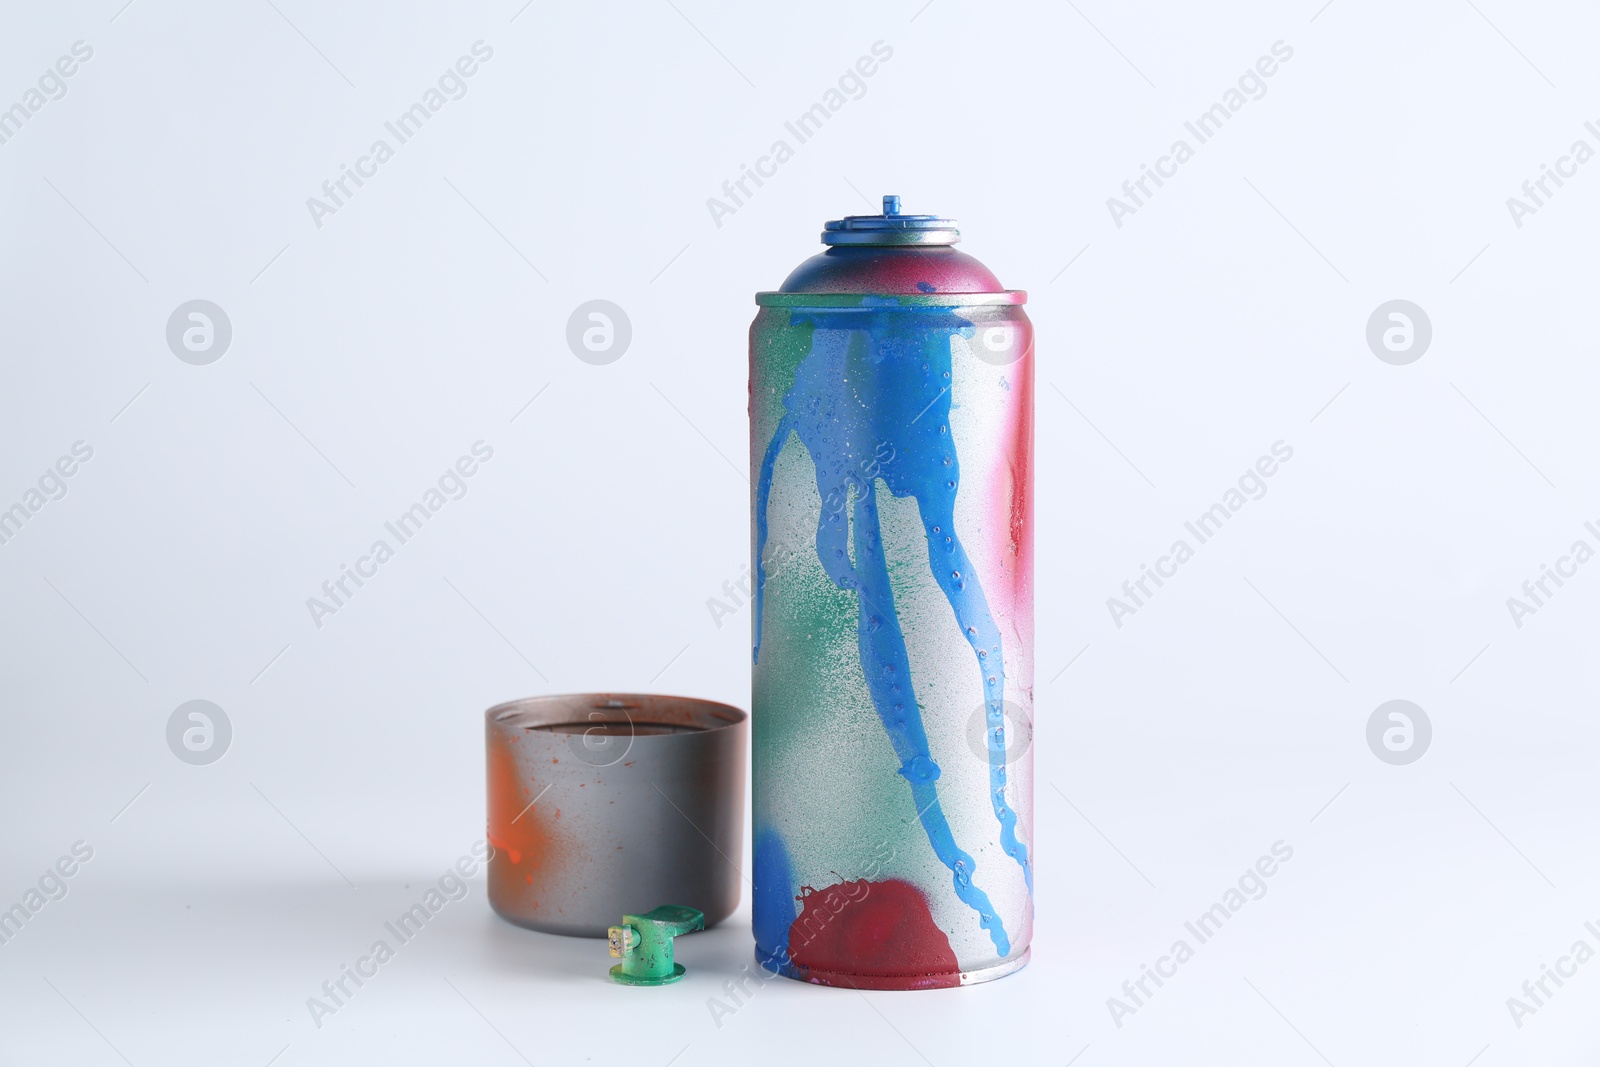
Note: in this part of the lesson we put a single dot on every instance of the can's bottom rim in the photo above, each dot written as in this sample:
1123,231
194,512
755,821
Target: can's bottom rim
585,928
932,980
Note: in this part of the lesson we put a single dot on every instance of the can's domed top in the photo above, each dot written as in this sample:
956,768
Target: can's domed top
890,228
906,256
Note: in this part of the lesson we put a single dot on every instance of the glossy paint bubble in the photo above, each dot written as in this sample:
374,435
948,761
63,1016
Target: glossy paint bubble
1013,736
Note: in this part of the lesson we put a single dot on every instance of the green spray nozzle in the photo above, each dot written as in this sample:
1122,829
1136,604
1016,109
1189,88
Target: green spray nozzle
644,944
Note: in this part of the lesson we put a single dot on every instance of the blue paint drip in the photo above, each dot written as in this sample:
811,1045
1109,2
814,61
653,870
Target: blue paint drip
763,495
773,898
873,401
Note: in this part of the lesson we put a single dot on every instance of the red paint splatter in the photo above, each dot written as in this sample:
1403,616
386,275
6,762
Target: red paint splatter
1021,476
867,934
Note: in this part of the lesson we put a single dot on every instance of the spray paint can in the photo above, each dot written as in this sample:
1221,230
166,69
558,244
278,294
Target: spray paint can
891,418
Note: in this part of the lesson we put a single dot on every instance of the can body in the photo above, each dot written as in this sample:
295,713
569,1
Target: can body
891,459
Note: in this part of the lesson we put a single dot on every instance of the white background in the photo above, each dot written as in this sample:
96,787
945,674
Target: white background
1229,313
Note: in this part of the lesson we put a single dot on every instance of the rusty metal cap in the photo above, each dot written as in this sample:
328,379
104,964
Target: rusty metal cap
599,802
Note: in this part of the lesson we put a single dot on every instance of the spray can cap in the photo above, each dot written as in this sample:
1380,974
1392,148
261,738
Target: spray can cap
890,228
644,944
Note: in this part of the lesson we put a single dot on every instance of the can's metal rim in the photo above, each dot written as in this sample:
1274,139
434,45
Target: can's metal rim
905,981
889,301
894,232
577,709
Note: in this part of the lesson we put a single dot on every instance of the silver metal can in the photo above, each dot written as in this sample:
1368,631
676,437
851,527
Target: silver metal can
605,804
